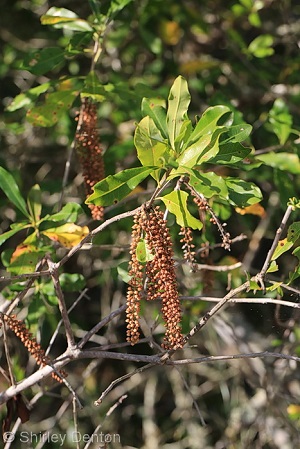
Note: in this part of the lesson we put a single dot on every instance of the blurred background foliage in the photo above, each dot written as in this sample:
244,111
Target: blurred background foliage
244,54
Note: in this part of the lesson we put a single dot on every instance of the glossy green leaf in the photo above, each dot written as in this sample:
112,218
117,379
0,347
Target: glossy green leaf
64,18
202,150
242,193
11,190
114,188
6,235
68,214
176,203
42,61
238,133
261,46
208,184
158,114
27,98
283,161
208,123
280,120
34,203
230,153
151,149
143,252
56,104
178,103
183,136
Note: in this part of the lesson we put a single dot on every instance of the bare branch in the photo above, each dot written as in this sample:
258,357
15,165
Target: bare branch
217,358
61,303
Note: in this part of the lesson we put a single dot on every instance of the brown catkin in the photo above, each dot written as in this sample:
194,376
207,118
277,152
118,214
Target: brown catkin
30,343
160,274
89,151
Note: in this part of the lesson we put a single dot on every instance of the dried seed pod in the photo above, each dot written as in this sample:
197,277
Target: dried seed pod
87,145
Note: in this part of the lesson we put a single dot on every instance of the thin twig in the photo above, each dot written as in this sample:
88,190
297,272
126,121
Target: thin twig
7,355
264,300
75,420
55,333
61,303
93,233
261,275
99,325
218,358
121,379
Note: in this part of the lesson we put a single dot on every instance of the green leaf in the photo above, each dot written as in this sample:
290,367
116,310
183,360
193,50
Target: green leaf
176,203
261,46
143,252
202,150
151,149
93,88
293,233
280,120
42,61
158,114
71,282
230,153
184,134
25,259
68,214
28,97
116,6
242,193
64,18
55,106
11,190
6,235
34,203
283,161
207,123
178,103
115,187
238,133
208,184
282,247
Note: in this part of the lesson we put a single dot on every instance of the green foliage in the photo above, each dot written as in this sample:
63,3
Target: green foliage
193,100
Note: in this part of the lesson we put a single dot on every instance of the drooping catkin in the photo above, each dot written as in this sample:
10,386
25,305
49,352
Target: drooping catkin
33,347
160,275
89,151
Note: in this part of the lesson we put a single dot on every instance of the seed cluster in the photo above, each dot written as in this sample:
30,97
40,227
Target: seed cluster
187,245
30,343
205,207
87,144
160,277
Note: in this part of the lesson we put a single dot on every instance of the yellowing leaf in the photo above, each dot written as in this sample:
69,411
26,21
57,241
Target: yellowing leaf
24,259
170,32
294,410
68,235
254,209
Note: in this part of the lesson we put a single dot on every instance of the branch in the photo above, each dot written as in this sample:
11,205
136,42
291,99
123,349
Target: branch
264,300
217,358
93,233
262,273
61,304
